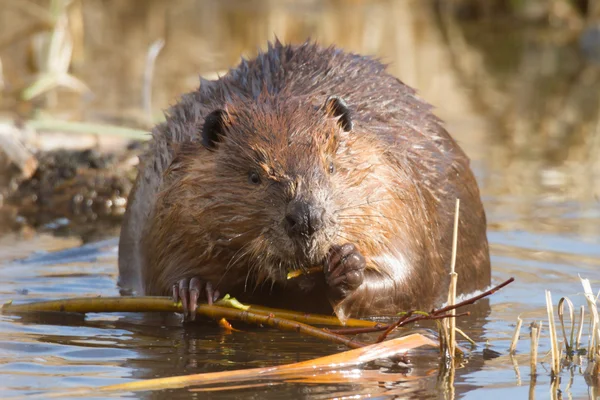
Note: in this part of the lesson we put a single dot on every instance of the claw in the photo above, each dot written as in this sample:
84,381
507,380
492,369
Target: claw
176,293
195,289
209,293
189,291
184,294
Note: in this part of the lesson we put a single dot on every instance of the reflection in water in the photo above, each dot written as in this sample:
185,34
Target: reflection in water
541,94
522,102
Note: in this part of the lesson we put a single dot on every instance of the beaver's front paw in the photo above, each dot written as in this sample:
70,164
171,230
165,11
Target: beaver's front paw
189,291
344,270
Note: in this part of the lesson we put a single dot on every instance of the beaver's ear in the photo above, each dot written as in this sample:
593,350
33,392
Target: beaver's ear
337,107
214,128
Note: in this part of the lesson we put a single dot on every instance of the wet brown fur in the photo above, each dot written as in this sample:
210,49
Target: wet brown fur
398,173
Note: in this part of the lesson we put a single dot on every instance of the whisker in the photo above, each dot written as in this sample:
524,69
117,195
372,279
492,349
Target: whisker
250,270
258,262
233,261
357,235
366,203
346,238
349,216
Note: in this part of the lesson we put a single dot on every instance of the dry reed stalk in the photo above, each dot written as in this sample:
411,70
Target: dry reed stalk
515,365
532,383
570,383
451,322
593,368
465,336
580,330
451,391
555,351
534,336
444,338
569,342
555,389
515,338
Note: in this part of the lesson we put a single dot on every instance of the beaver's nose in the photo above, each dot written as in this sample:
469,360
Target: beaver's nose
303,218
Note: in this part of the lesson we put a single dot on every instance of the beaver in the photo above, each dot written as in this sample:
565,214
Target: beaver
304,156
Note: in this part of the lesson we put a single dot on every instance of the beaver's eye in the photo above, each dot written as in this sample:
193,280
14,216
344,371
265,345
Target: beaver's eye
331,168
253,178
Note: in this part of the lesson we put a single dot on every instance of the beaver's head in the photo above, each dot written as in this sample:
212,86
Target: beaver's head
274,180
271,184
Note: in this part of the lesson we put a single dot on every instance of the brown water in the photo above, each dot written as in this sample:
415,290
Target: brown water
523,102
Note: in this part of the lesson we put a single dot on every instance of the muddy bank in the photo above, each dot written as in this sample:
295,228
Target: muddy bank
80,192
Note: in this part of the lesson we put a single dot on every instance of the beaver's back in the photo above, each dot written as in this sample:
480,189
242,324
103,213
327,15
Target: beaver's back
312,73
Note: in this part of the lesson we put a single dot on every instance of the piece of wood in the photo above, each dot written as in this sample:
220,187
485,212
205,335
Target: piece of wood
14,154
304,371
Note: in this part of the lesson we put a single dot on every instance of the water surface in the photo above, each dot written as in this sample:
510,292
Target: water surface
522,102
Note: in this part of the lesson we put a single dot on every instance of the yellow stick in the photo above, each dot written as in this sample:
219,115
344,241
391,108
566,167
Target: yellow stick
165,304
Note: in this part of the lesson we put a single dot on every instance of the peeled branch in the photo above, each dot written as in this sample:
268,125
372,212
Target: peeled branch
299,272
328,367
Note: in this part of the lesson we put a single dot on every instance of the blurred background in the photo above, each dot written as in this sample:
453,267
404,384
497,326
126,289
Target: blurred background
517,83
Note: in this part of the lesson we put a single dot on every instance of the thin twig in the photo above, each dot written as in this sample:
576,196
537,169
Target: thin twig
403,321
474,299
395,325
415,318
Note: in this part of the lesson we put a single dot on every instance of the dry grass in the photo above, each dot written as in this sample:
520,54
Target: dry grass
567,351
52,51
